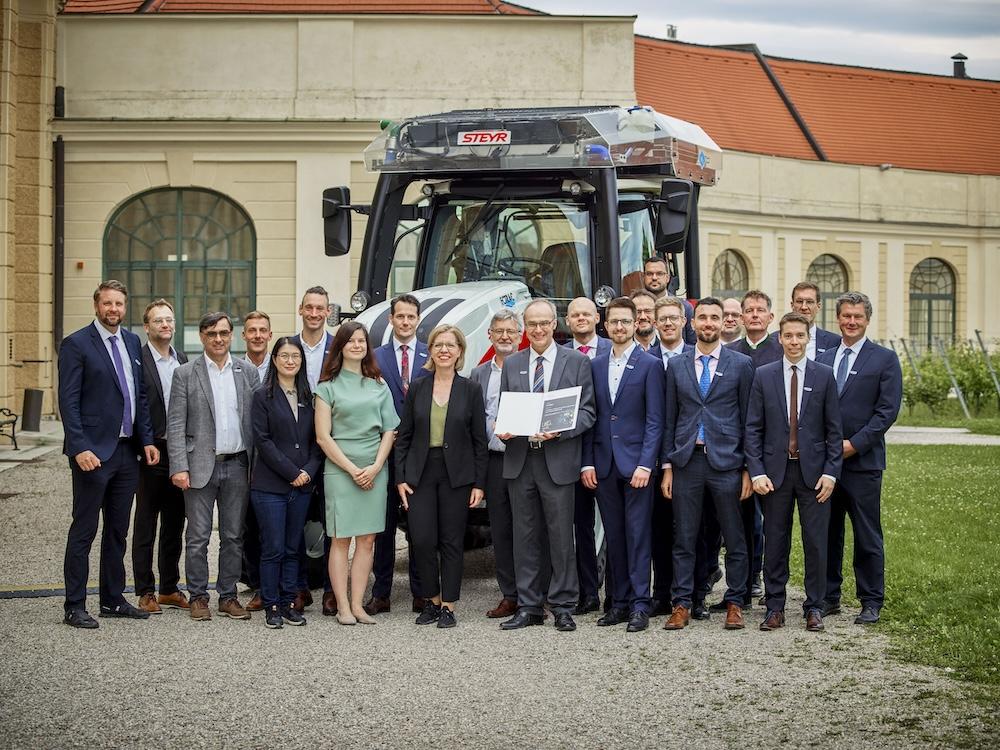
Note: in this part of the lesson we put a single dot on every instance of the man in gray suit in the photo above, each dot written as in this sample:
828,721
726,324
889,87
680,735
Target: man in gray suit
543,470
210,441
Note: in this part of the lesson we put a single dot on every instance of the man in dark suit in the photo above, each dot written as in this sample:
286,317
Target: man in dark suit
544,469
870,383
706,402
102,400
732,320
505,336
656,280
806,301
157,499
794,452
619,456
210,439
401,360
582,318
316,342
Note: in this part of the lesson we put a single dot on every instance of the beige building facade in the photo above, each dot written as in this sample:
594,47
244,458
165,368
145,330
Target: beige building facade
196,166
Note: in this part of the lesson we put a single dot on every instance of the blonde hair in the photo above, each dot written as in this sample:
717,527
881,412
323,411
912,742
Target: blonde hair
459,337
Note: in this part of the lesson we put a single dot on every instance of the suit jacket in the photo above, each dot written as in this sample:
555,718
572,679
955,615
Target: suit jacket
562,454
385,355
657,350
91,402
821,446
191,418
283,445
869,403
628,432
824,340
603,346
769,350
722,411
154,393
465,451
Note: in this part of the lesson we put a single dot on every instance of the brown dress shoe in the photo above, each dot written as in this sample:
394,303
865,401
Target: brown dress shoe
199,609
329,604
506,608
176,600
256,604
678,619
734,617
418,603
814,621
775,619
374,606
303,599
147,603
231,608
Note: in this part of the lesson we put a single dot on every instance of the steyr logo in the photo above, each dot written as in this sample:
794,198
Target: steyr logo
483,137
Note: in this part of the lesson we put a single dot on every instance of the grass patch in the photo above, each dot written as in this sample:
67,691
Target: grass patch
941,519
949,414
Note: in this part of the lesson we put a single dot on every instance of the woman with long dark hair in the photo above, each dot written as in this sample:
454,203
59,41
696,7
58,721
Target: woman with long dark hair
355,423
287,462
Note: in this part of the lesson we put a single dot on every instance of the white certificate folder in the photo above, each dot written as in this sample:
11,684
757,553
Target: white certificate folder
530,413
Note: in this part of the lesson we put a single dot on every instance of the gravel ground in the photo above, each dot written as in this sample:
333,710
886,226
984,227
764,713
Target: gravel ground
171,682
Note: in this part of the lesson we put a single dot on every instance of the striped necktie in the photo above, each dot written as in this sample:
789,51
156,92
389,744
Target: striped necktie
538,382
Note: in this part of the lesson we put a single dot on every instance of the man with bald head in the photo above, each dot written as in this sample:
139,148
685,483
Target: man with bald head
732,313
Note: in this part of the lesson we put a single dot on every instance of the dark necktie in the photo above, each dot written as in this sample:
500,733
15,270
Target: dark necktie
123,385
793,415
538,382
843,370
404,367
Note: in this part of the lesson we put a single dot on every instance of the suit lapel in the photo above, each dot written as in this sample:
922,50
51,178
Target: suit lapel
809,376
629,369
857,366
690,369
778,383
393,371
720,370
201,373
557,369
150,365
102,350
239,380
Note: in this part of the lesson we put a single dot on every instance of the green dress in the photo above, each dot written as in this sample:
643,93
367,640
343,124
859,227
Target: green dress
361,410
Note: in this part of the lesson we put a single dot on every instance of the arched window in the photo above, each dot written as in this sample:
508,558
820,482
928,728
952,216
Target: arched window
932,302
730,276
193,247
829,273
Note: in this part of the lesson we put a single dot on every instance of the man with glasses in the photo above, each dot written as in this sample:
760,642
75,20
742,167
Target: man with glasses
805,301
210,440
732,315
505,336
619,455
656,280
544,469
645,316
157,499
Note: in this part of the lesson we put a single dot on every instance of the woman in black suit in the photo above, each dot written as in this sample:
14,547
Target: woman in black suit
288,460
441,457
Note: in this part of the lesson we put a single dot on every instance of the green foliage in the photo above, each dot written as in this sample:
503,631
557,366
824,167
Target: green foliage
930,392
973,378
930,388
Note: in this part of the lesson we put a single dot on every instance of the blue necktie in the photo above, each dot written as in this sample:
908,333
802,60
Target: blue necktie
842,370
703,385
123,384
538,383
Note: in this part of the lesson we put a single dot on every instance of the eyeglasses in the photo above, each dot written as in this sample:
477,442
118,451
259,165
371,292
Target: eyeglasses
669,319
444,346
620,322
216,334
161,321
538,324
498,332
805,302
290,357
731,315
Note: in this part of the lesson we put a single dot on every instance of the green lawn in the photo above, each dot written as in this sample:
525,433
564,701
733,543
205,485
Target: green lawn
987,422
941,519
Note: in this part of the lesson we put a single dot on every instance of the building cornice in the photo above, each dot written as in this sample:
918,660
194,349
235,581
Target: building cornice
338,133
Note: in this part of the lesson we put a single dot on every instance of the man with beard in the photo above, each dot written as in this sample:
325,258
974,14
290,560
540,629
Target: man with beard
707,391
656,280
645,316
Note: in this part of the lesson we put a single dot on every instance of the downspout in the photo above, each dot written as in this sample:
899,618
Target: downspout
58,237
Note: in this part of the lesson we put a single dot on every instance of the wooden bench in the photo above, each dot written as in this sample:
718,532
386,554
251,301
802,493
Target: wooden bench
8,425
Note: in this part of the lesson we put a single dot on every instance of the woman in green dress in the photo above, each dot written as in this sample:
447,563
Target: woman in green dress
355,424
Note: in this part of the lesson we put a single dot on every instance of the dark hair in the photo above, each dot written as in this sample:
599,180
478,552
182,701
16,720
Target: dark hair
210,319
708,301
301,378
155,303
793,317
111,284
334,361
656,259
408,299
805,285
756,294
623,302
642,293
316,290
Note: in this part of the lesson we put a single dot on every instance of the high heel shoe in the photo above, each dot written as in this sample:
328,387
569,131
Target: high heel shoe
346,619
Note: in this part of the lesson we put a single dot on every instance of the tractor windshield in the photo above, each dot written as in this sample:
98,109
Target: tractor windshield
543,243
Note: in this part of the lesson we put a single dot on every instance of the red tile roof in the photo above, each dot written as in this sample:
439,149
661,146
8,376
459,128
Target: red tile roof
457,7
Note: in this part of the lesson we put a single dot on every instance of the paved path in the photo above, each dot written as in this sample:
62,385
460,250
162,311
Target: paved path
938,436
173,682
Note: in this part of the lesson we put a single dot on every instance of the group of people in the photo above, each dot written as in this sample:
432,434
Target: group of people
682,442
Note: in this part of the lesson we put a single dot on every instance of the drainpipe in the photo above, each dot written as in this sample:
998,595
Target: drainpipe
58,237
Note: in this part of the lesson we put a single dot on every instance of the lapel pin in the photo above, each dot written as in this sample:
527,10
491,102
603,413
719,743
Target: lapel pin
524,372
854,372
630,367
807,388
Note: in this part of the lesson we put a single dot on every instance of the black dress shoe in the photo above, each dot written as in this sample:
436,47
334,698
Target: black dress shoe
521,620
700,612
564,622
830,608
637,621
124,610
868,616
613,617
661,607
590,604
80,618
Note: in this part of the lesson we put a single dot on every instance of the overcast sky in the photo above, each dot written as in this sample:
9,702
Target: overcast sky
915,35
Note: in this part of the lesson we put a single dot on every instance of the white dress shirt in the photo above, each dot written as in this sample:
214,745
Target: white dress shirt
592,352
126,363
165,367
262,367
811,344
411,351
549,355
616,368
669,354
492,405
713,363
228,432
314,360
855,350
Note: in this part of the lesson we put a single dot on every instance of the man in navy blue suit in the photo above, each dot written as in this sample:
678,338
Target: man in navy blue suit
582,318
806,301
706,404
402,361
794,451
870,383
619,456
656,280
102,400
